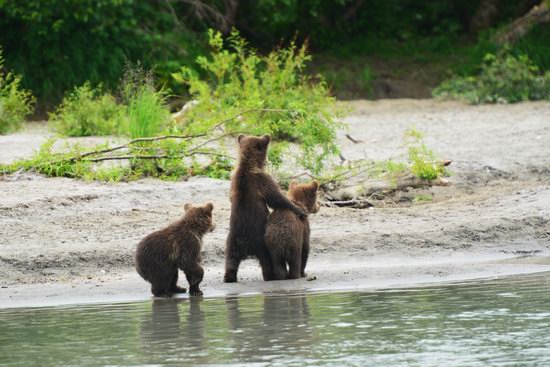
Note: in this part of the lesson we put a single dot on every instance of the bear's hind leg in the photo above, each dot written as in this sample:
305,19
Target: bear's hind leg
278,261
294,263
305,255
160,290
265,262
279,267
161,282
232,261
194,276
174,284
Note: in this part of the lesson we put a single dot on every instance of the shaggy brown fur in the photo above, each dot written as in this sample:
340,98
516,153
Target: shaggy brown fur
287,236
252,191
160,254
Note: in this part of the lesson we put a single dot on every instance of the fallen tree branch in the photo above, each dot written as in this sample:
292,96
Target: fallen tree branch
154,156
355,141
131,142
521,26
376,187
355,203
182,137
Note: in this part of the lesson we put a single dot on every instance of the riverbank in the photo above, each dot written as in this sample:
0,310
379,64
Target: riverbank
62,239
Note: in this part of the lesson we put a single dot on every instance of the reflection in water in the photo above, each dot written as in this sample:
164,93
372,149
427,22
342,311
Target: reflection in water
495,322
279,328
161,331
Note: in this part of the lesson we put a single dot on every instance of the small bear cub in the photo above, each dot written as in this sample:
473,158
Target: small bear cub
160,254
287,235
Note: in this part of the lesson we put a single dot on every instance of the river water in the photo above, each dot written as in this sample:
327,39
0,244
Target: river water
501,322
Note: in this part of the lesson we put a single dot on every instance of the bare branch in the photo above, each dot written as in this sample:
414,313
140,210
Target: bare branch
355,141
155,156
521,26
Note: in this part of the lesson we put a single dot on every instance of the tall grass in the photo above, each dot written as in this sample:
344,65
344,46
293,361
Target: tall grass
147,113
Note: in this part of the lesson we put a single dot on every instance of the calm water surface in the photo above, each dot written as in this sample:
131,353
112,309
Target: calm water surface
502,322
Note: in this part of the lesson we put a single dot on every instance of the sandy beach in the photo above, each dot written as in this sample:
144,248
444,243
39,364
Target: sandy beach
68,241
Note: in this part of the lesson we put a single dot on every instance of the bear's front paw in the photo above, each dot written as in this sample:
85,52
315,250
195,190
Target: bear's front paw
301,214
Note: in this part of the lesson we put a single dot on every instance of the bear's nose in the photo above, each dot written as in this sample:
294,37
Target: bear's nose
212,227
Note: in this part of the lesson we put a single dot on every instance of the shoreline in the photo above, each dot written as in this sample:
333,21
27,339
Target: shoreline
330,276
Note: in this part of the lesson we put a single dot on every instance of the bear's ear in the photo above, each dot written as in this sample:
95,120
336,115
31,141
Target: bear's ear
315,185
293,184
187,206
209,207
240,138
266,138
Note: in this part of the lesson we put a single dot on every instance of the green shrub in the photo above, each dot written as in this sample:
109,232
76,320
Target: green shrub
503,79
15,102
279,98
423,161
88,111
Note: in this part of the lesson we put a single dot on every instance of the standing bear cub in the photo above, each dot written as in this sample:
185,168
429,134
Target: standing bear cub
287,235
160,254
252,191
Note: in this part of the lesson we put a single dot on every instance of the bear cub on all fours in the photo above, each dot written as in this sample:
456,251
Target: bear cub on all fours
287,235
161,254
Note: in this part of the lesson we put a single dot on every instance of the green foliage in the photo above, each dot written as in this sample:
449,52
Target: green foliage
59,44
219,168
423,161
147,112
503,78
535,45
91,111
88,111
16,103
168,157
326,23
279,98
51,164
391,170
347,80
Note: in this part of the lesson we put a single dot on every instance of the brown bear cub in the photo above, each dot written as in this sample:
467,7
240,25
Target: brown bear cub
160,254
252,191
287,235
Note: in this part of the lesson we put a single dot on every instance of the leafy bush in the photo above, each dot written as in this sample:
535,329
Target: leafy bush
503,78
88,111
272,91
91,111
423,161
15,102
